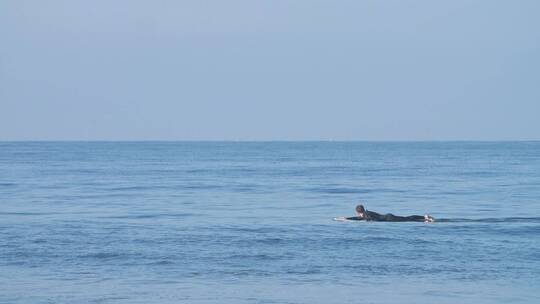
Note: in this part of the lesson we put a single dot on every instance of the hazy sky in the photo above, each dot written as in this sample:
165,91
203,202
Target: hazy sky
266,70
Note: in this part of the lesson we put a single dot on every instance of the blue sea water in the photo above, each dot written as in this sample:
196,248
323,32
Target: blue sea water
251,222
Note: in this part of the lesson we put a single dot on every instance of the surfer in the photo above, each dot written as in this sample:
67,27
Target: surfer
365,215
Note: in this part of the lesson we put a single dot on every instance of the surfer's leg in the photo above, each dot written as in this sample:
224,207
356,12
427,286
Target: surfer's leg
415,218
394,218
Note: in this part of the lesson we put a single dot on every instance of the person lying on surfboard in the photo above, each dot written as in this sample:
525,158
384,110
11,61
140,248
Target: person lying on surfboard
365,215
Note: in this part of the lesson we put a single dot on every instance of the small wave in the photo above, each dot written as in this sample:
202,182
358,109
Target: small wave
151,216
338,190
26,213
304,272
257,230
200,187
139,188
109,299
129,188
258,257
101,255
491,220
162,263
349,190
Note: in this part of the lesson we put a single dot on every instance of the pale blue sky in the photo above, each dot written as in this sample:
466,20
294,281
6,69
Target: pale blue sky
268,70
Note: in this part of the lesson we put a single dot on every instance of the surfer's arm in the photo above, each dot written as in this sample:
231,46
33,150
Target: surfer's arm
343,219
355,218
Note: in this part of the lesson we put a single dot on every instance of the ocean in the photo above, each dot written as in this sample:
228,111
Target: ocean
251,222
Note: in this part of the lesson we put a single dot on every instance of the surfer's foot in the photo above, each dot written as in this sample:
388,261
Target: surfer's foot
428,218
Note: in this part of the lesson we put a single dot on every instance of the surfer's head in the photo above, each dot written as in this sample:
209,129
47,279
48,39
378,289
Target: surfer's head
360,210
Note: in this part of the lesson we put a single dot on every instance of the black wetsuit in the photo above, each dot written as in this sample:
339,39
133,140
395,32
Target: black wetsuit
374,216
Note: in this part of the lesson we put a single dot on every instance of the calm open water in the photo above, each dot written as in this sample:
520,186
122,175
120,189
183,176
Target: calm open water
225,222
